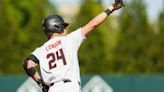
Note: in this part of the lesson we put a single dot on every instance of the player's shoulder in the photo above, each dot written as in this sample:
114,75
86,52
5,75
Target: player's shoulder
74,33
77,34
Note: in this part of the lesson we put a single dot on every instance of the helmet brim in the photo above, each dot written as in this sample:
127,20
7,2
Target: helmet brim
65,24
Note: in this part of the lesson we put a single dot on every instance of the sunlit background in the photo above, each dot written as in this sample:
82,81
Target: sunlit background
124,54
153,7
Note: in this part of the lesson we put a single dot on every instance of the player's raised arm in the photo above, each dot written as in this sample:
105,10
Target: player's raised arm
101,17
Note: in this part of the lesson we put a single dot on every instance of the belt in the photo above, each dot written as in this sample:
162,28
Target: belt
65,81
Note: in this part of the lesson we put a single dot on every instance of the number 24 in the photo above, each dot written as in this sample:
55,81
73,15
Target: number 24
53,59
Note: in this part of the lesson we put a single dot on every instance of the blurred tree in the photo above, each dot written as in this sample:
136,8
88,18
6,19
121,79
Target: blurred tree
93,54
132,53
158,49
161,22
21,31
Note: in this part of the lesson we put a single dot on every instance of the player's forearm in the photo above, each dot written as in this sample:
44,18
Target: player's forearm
36,76
95,22
29,67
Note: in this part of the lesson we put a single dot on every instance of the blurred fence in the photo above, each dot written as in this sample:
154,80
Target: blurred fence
153,83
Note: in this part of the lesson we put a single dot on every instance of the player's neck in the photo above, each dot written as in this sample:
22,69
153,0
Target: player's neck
57,35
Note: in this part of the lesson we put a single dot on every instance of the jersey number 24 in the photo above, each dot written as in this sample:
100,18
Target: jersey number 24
58,55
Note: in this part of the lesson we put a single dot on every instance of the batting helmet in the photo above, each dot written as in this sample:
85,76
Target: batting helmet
54,24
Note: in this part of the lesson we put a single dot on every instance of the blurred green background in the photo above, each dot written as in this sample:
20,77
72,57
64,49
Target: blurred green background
127,43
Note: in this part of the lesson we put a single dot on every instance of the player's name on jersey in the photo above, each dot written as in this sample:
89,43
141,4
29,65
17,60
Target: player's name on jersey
54,45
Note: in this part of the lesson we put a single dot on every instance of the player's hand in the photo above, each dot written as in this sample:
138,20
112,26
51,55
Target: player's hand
118,4
43,85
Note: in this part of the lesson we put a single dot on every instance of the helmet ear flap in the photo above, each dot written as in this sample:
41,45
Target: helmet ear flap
59,28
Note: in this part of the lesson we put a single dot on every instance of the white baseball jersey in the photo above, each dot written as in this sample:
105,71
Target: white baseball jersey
58,58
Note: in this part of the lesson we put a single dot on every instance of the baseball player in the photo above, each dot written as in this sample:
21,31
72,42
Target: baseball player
57,57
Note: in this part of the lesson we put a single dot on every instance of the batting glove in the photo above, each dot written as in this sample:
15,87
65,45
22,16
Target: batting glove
118,4
43,85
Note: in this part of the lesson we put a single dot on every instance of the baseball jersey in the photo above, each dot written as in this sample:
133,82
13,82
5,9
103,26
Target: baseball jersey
58,57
